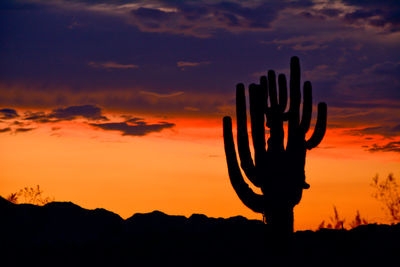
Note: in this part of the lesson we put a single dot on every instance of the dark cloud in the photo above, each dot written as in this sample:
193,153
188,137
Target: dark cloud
111,65
362,14
380,14
195,18
371,86
376,13
350,65
137,121
385,68
39,116
386,131
203,19
23,130
5,130
134,127
8,113
151,14
331,12
89,112
389,147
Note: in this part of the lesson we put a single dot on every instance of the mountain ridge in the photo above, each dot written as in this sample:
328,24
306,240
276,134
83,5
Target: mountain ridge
64,230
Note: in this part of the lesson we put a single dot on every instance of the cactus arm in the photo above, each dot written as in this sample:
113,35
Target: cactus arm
264,89
320,127
282,92
252,200
294,109
294,92
272,89
246,161
257,122
307,107
275,142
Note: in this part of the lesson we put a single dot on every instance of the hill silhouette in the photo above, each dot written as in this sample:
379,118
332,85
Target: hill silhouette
64,234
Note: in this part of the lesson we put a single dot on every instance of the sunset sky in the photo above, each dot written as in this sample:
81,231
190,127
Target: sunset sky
119,104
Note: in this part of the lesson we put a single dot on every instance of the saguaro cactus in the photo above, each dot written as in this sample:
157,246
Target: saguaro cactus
278,170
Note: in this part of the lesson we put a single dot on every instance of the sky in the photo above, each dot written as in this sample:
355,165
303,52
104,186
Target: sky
119,104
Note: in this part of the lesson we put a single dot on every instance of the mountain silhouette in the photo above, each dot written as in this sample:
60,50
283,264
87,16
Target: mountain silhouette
64,234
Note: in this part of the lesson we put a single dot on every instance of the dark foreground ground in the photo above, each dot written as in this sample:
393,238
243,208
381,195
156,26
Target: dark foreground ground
64,234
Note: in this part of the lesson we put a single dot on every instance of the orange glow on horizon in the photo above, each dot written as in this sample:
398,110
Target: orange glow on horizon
181,171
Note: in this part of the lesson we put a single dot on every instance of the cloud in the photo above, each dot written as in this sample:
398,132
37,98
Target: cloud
188,108
195,18
359,14
7,113
4,130
385,131
128,101
134,127
183,64
372,86
382,14
321,73
158,95
203,19
39,116
111,65
23,130
158,85
386,68
89,112
389,147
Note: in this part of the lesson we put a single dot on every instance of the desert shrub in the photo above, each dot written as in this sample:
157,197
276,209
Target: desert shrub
335,222
387,192
31,195
358,220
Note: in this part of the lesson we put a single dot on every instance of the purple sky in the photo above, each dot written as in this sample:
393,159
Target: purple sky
185,57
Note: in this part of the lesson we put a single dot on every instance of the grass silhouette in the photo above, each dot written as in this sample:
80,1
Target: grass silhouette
30,195
387,192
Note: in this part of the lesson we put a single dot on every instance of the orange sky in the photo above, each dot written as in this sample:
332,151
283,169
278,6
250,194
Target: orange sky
181,171
119,104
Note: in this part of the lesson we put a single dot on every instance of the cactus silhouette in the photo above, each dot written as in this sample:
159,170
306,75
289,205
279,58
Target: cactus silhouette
277,170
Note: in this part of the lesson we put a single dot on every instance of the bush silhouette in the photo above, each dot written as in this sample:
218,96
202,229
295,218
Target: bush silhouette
336,222
278,170
387,191
30,195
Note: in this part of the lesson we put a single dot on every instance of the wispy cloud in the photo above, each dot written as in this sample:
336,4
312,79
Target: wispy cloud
86,111
134,127
196,18
23,130
385,131
89,112
389,147
4,130
191,108
159,95
184,64
8,113
84,115
111,65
